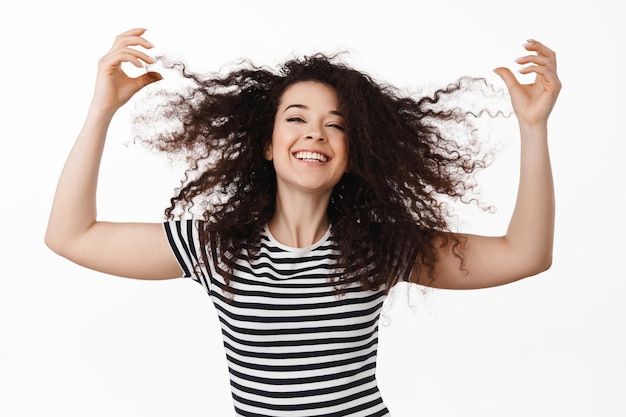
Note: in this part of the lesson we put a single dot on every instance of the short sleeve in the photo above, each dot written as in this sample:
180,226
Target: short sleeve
184,240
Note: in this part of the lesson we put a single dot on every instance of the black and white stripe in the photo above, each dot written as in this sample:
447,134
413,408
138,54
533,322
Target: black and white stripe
294,347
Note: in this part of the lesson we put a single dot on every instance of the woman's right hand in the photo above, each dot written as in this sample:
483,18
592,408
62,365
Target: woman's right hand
113,86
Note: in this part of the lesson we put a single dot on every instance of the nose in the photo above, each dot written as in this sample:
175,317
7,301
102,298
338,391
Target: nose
315,134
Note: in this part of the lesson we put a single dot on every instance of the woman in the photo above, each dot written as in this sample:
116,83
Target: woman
316,190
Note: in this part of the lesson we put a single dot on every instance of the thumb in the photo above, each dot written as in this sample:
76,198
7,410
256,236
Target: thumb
507,76
148,78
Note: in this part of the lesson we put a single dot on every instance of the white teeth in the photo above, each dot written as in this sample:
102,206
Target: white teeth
311,157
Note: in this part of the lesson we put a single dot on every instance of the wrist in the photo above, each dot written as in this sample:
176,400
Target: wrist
100,111
537,129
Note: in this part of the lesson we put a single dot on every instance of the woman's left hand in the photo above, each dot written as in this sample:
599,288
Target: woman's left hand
533,103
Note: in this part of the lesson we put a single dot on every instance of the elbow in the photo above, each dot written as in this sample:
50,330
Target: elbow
54,242
65,240
545,265
545,259
51,242
541,264
548,262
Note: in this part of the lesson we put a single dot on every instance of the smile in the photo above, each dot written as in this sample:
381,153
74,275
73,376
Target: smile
311,156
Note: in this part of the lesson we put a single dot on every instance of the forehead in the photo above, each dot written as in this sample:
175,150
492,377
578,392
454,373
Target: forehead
309,93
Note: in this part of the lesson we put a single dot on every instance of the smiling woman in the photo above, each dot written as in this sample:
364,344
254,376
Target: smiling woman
312,191
309,151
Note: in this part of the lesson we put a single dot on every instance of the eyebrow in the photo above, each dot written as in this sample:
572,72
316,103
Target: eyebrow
302,106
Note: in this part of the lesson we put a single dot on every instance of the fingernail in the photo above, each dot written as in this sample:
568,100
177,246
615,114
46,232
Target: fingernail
519,59
529,42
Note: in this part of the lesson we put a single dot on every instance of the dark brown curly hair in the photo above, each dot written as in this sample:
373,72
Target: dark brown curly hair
386,212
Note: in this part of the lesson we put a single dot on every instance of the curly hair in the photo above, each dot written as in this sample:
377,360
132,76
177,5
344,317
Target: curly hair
387,213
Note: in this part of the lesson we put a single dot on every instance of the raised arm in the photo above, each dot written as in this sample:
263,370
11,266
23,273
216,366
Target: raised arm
126,249
526,248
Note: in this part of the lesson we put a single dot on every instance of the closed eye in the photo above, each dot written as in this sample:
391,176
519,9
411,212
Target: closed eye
336,126
295,119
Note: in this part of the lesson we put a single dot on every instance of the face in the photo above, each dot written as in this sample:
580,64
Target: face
309,145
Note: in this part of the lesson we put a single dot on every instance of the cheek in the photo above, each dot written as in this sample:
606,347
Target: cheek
346,167
346,153
345,149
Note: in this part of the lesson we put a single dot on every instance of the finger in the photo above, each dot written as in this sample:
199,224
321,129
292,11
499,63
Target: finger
131,38
534,59
123,50
537,61
133,60
133,31
537,69
132,41
132,56
127,55
539,48
136,32
148,78
507,76
549,77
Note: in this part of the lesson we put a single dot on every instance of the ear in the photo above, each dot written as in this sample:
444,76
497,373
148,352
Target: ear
268,151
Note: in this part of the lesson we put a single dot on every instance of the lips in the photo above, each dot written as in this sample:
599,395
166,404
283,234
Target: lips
308,156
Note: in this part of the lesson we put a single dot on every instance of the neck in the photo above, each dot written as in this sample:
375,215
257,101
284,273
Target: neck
300,220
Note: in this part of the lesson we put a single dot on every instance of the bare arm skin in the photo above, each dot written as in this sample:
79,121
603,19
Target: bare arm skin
131,250
526,248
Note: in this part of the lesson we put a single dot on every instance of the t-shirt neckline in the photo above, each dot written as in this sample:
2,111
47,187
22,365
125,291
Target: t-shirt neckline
287,248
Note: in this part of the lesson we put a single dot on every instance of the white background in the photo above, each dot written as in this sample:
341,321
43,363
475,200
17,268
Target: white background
78,343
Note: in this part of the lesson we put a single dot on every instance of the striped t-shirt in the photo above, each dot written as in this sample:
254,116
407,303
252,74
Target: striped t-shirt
293,346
